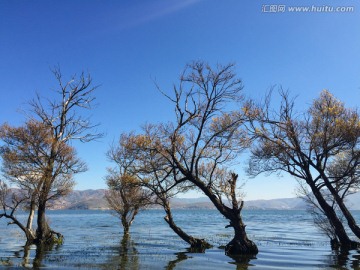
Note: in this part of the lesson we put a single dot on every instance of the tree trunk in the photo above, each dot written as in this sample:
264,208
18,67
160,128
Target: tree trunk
125,224
344,241
26,258
340,202
350,219
30,219
240,244
43,232
31,215
126,229
44,235
195,243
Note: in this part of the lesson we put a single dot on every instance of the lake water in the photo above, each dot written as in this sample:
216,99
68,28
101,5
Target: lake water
93,240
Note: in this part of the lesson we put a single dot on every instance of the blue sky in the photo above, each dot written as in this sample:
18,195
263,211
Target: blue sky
126,45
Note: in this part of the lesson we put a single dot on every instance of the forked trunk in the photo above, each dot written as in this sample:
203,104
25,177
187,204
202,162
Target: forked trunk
240,244
127,220
30,237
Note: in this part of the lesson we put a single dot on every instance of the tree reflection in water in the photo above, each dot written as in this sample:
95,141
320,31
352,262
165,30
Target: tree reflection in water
242,262
344,259
29,259
182,256
41,251
127,257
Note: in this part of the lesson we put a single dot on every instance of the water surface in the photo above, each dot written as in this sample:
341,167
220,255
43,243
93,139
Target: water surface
93,240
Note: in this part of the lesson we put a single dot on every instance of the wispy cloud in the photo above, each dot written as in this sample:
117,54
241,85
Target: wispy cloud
152,11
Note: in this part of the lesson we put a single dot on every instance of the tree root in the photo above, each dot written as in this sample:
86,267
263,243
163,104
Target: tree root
235,247
199,245
55,238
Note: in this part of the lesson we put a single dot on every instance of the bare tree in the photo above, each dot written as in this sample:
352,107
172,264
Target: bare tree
47,154
66,124
126,197
308,146
203,142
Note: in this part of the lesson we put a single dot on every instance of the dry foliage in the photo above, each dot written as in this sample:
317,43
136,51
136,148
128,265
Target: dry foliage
38,158
126,197
319,147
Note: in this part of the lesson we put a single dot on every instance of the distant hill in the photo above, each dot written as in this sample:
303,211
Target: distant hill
82,199
353,201
281,204
192,203
94,199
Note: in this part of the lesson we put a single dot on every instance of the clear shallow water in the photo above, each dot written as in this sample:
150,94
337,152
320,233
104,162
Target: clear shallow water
93,240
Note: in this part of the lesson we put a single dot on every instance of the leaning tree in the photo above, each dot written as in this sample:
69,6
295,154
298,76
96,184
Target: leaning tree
202,143
319,147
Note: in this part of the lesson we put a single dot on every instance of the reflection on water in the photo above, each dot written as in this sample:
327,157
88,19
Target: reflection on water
29,256
242,262
127,257
180,256
128,254
93,239
344,259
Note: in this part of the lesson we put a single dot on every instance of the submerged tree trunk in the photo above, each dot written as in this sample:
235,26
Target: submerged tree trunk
26,258
350,219
240,244
127,220
340,202
43,232
44,235
126,227
196,243
344,241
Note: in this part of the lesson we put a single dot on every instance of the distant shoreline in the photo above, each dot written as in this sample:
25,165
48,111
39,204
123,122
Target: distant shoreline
94,200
